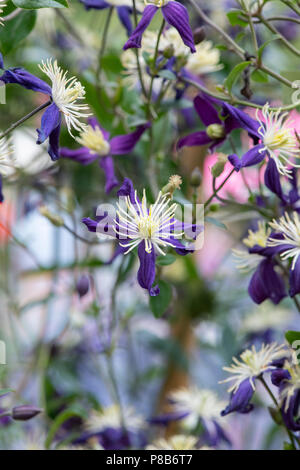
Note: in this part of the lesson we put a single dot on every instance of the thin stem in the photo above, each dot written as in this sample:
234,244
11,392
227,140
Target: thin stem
280,18
281,37
292,5
103,43
233,100
84,240
154,62
218,189
18,123
267,388
137,53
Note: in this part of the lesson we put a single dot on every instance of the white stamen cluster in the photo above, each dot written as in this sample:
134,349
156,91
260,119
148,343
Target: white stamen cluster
177,442
246,261
157,3
111,417
93,139
290,385
153,225
289,227
279,139
253,363
258,237
7,166
66,92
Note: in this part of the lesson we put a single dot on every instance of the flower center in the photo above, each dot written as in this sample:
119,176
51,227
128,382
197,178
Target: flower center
157,3
94,140
147,227
259,237
278,139
215,131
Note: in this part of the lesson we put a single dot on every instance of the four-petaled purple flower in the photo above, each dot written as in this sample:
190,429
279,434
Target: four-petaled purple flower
97,144
147,229
174,14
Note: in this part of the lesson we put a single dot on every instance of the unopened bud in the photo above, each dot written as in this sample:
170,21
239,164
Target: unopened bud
175,181
25,412
83,285
219,166
214,207
169,51
53,218
196,177
215,131
199,35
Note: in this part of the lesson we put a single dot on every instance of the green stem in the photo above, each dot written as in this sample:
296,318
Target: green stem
137,53
267,388
218,189
103,43
28,116
281,37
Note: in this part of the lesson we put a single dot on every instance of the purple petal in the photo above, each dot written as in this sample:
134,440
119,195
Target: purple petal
279,376
107,164
207,113
146,272
127,189
95,4
266,284
193,140
82,155
177,15
53,148
124,16
1,193
135,39
240,400
237,119
166,418
50,120
272,179
27,80
123,144
291,416
250,158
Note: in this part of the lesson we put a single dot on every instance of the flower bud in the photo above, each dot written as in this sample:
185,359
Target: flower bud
215,131
169,51
53,218
175,181
83,285
199,35
219,166
25,412
196,177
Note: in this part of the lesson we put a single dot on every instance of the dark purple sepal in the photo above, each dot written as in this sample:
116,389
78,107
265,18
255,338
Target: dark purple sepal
196,139
124,17
135,39
107,165
82,155
146,272
279,376
50,121
272,179
127,189
266,284
166,418
205,110
95,4
240,400
237,119
1,193
26,80
83,285
122,144
291,416
53,147
177,15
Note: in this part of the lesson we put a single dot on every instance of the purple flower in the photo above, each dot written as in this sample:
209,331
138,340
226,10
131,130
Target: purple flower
124,12
65,94
276,139
245,370
97,144
174,14
218,125
148,230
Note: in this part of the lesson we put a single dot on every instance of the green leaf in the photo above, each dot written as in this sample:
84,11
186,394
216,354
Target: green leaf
288,446
235,19
235,74
259,76
160,303
35,4
292,336
165,260
167,74
262,48
16,30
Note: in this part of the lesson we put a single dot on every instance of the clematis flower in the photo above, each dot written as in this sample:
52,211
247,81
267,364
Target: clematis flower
123,8
65,94
196,408
217,129
174,13
97,145
276,139
251,365
265,282
177,442
147,229
108,427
